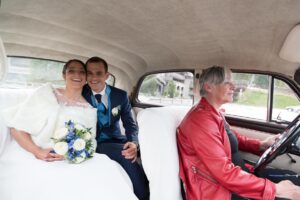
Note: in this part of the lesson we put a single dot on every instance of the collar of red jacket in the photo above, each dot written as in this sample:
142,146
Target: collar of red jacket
204,104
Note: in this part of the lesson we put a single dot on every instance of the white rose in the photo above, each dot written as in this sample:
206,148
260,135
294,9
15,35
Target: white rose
60,133
61,148
79,127
115,110
87,136
79,144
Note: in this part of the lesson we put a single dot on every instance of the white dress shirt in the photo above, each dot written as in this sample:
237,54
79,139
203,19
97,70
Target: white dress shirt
104,97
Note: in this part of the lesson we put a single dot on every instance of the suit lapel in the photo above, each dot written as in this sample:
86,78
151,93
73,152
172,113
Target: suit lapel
109,105
115,103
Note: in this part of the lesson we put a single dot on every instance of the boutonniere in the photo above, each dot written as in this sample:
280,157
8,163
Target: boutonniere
115,111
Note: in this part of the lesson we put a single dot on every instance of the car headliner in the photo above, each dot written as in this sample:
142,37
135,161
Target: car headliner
141,36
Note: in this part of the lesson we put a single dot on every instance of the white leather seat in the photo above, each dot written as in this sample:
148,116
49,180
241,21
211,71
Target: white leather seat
157,137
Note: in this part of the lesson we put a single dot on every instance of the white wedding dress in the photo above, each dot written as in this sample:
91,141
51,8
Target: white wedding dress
23,177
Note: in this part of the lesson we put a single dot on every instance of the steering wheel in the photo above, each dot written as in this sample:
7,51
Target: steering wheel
280,147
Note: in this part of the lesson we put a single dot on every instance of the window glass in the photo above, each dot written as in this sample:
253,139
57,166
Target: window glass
286,105
250,96
32,72
28,73
110,80
173,88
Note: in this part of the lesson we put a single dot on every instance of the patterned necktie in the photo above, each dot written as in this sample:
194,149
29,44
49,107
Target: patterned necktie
98,97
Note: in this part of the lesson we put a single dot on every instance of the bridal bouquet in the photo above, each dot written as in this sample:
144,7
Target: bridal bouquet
74,142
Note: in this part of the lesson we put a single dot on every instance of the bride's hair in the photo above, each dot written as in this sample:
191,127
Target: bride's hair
69,62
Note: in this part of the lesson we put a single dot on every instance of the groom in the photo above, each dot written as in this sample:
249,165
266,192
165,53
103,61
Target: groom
113,104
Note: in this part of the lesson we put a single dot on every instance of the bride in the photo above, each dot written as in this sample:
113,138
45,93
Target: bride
28,168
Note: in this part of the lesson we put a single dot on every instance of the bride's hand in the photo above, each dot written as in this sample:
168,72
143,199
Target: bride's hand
25,141
46,155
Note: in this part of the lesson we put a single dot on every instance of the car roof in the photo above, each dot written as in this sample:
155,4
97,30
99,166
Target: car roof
141,36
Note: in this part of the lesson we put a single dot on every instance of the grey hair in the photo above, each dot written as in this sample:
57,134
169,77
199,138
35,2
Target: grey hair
214,75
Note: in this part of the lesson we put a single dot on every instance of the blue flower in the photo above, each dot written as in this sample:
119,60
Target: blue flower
70,144
70,154
71,125
70,136
87,153
78,152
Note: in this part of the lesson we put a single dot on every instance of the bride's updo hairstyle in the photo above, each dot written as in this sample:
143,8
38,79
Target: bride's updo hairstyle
69,62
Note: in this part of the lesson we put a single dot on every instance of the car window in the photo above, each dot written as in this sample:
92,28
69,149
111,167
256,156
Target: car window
30,73
111,80
171,88
33,72
250,96
286,105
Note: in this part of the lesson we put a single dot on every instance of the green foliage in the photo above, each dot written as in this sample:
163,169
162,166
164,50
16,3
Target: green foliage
257,80
259,98
170,90
279,84
253,98
149,85
261,81
282,101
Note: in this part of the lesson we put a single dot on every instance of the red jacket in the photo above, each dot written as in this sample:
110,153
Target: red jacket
205,159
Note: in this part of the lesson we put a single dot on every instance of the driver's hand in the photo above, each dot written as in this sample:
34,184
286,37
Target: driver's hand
286,189
268,142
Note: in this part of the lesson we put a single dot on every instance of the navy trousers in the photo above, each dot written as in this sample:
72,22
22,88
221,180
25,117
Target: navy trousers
134,170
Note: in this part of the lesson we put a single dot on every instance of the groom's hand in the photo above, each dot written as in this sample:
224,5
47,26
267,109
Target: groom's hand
130,151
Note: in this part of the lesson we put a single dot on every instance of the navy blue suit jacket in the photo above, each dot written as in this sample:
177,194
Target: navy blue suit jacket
117,98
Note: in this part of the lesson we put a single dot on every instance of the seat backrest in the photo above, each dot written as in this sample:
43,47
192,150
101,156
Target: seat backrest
159,155
8,98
